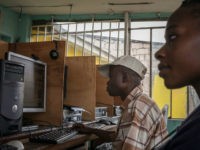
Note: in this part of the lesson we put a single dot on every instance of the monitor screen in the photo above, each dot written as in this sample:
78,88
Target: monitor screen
34,82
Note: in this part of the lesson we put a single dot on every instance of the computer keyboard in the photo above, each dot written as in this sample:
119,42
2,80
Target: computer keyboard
54,137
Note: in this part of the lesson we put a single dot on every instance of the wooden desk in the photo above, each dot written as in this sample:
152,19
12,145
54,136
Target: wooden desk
79,139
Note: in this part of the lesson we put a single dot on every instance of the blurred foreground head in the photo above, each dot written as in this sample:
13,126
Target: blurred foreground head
180,56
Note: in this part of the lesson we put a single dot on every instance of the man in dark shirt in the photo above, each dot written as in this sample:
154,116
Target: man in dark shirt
180,66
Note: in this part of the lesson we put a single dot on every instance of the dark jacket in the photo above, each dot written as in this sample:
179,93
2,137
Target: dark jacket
187,136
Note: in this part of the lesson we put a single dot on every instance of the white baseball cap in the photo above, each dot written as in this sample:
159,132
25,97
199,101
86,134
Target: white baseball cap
126,61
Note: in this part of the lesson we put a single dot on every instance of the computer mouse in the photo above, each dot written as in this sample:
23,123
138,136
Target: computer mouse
103,121
16,143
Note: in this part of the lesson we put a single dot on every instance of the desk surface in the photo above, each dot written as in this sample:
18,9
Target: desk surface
74,141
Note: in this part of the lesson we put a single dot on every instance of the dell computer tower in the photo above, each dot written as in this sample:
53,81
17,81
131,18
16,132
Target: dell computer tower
11,96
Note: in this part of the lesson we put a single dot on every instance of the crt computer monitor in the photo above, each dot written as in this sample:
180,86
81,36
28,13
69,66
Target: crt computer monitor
34,82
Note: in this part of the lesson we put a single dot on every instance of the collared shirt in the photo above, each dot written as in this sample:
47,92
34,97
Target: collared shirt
141,125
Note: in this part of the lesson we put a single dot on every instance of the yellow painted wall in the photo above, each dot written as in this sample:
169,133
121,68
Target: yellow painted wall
162,95
179,103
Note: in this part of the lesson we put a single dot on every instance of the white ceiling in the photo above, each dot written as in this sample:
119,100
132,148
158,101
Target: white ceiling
47,7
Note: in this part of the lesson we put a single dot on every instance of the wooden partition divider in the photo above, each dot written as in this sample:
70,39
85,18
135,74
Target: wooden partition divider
3,49
55,78
81,84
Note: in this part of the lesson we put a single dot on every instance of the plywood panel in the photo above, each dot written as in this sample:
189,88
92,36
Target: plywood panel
55,77
117,101
3,49
81,84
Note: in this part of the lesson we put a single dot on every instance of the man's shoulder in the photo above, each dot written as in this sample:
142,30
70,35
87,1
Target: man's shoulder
145,100
147,105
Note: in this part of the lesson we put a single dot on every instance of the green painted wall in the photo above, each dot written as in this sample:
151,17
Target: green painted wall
24,28
8,24
173,124
13,27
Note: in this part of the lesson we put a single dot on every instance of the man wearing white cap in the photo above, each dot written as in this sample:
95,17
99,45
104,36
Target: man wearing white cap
141,125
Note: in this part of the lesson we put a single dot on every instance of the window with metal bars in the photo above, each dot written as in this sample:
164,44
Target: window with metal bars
103,39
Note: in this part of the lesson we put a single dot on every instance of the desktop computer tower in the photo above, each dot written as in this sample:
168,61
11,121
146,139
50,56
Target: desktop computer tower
11,96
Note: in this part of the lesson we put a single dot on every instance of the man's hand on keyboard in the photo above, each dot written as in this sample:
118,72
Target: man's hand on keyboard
81,128
103,134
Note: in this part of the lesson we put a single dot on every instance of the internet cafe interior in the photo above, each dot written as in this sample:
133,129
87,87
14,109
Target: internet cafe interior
51,88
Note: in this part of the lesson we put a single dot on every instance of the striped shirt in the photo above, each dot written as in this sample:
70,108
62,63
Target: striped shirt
141,125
